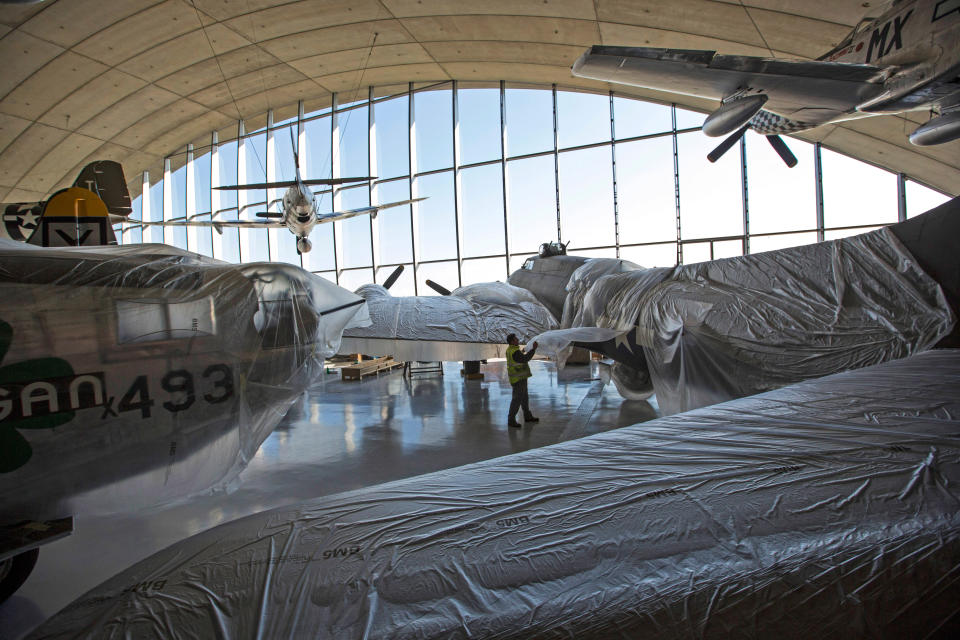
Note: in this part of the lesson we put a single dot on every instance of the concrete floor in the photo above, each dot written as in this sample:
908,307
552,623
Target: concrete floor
340,436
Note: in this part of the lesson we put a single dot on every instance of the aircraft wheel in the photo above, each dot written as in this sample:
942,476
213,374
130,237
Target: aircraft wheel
14,572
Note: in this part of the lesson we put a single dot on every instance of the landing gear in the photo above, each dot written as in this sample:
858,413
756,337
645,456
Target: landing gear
303,246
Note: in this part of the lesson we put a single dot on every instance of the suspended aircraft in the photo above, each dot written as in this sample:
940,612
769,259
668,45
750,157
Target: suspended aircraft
907,59
300,214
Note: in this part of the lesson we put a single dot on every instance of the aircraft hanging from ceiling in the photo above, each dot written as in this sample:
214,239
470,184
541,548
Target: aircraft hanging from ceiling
907,59
300,212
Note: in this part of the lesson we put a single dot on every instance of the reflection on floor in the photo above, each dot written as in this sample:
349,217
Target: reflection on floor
342,435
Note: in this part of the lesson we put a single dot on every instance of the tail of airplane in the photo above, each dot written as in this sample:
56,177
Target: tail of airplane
76,216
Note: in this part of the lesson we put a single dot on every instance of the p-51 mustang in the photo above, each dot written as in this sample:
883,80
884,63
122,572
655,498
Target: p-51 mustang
907,59
300,209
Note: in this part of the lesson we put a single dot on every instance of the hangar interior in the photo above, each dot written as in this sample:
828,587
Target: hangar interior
473,113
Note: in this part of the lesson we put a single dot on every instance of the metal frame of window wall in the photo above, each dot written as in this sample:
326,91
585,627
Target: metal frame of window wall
245,207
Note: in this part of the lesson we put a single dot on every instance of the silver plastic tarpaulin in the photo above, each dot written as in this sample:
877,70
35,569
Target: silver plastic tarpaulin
823,509
472,323
730,328
137,374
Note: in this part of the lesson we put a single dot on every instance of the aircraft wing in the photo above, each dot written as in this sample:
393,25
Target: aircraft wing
282,184
241,224
374,209
804,90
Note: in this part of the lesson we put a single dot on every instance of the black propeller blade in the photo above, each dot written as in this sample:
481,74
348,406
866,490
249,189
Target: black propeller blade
393,277
438,288
268,214
782,150
775,141
728,142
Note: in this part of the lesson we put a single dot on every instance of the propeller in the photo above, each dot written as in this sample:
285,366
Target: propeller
268,214
775,141
393,277
438,288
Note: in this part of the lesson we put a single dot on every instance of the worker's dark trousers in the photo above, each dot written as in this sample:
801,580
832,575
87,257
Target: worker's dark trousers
519,399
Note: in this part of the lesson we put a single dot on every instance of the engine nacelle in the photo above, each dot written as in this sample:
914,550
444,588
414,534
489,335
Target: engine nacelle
732,115
942,129
304,245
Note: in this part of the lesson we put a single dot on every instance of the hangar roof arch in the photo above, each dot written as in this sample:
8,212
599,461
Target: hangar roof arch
145,78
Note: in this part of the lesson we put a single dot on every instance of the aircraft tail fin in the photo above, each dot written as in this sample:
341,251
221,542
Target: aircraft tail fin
105,178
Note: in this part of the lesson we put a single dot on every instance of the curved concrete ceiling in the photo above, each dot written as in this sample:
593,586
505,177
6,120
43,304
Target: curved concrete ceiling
134,80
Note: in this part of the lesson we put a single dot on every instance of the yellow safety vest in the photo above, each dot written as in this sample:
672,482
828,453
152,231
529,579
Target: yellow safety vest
516,370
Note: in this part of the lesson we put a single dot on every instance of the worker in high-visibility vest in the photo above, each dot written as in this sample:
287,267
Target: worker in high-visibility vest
518,371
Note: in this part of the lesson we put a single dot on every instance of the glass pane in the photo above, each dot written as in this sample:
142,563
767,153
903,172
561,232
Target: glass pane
433,117
177,236
586,198
529,121
155,234
770,243
443,273
780,198
393,144
582,118
254,200
711,196
230,239
353,143
655,255
646,199
133,235
328,275
201,193
846,233
315,161
404,284
531,202
354,278
394,224
727,249
438,235
484,270
855,192
696,252
482,201
610,252
356,231
687,119
284,143
921,199
639,118
321,257
479,125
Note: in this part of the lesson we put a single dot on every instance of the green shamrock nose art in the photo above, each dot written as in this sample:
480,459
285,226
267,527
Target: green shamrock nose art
29,399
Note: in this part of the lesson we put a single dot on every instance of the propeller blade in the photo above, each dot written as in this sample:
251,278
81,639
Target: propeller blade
724,146
782,150
393,277
268,214
438,288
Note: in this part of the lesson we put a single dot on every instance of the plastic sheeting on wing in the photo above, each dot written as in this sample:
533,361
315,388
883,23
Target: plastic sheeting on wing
825,509
730,328
484,313
137,374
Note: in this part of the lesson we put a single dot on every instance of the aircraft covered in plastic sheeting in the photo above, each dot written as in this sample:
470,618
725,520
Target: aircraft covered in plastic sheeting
131,375
827,509
469,323
704,333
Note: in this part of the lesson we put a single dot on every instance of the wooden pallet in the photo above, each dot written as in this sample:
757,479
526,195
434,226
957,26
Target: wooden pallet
369,368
